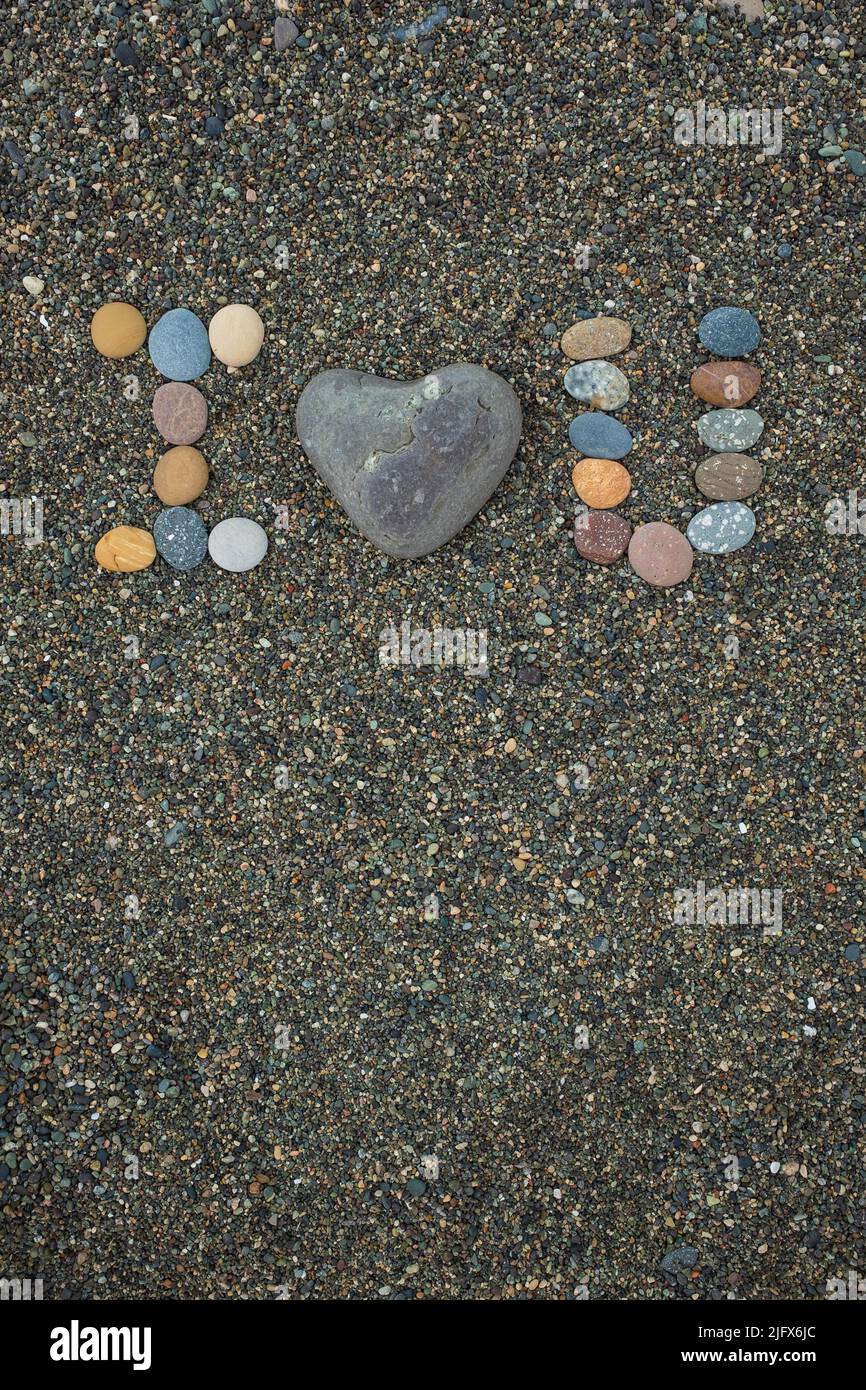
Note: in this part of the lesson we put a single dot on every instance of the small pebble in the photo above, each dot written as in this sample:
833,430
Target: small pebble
730,430
721,528
178,346
599,436
595,338
33,285
601,482
728,477
597,383
601,537
660,554
237,544
180,476
730,384
117,329
179,412
236,334
729,332
181,537
125,549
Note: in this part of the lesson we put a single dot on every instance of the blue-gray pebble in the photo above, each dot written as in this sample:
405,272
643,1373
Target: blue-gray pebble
597,436
730,430
721,528
729,332
181,537
179,346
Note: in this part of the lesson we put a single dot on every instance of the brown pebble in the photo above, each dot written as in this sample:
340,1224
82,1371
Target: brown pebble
601,482
179,412
117,329
660,554
180,476
601,337
728,477
601,536
125,548
726,383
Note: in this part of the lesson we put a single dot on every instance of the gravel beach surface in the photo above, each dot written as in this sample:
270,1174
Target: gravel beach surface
325,978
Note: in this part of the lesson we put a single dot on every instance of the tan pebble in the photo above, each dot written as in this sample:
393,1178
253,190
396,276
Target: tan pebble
117,329
601,337
601,482
236,334
180,476
125,548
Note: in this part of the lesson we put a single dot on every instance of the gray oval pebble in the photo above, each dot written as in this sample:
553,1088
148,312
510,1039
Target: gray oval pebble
730,429
237,544
721,528
597,436
729,332
728,477
181,537
597,383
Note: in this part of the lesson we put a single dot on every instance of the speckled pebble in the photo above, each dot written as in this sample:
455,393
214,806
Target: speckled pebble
597,383
730,430
181,537
721,528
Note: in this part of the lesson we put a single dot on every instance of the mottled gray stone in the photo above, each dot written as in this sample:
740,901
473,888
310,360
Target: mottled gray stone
410,462
730,430
597,383
181,537
721,528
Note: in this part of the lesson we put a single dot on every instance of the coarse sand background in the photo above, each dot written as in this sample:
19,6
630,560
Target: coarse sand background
231,1036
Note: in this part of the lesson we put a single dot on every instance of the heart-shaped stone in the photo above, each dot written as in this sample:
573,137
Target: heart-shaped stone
410,462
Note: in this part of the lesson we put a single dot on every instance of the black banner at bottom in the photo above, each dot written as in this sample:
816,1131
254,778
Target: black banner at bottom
165,1339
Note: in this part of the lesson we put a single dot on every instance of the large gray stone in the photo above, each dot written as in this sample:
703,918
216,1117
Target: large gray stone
410,462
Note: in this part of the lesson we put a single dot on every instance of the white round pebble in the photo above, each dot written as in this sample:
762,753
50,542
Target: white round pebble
237,544
33,285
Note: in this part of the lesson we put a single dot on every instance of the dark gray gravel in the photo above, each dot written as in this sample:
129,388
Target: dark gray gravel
284,926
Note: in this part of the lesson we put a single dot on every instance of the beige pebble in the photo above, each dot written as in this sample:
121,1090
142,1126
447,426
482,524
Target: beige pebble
236,334
125,548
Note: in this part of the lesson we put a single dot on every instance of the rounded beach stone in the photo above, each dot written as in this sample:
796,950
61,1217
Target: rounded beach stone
410,462
180,476
117,329
178,345
660,554
730,430
237,544
236,334
125,549
179,412
729,332
721,528
726,383
601,536
598,436
597,383
601,482
181,537
594,338
728,477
